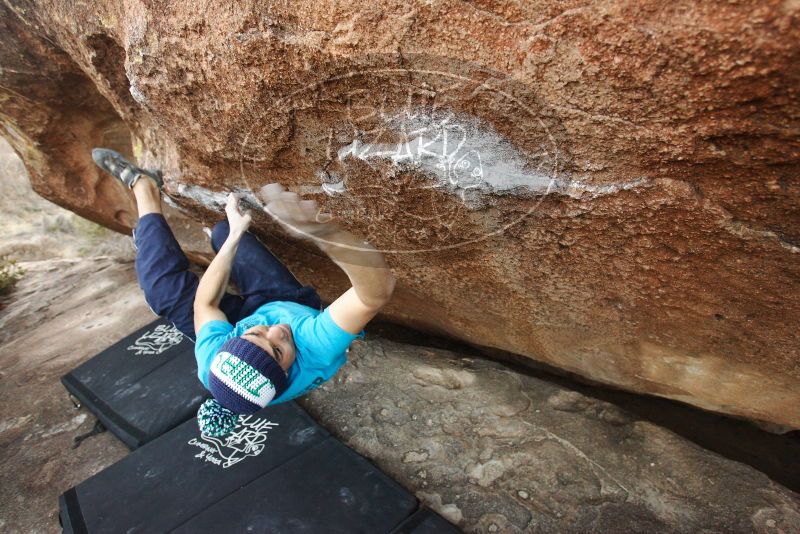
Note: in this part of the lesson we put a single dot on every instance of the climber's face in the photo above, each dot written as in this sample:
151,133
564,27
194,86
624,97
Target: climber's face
276,340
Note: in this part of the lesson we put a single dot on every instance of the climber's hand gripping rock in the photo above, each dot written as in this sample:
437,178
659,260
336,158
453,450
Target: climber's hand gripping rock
301,218
237,221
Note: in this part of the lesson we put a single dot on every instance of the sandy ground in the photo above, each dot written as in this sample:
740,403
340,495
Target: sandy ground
55,321
60,252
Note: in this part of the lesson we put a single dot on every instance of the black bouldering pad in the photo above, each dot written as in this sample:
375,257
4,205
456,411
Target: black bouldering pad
329,488
425,521
143,385
277,472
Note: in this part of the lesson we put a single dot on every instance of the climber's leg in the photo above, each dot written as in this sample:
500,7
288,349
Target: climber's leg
162,267
148,197
261,276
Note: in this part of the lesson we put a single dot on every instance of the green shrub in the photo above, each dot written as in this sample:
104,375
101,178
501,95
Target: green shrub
9,274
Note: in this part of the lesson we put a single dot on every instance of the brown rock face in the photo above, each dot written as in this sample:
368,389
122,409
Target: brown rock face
610,188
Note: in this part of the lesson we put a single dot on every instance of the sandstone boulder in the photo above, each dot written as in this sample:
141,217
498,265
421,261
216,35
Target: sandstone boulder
608,188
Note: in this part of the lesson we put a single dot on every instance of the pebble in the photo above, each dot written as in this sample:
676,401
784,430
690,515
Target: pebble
415,456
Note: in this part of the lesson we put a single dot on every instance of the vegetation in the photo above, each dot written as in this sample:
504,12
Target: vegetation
10,274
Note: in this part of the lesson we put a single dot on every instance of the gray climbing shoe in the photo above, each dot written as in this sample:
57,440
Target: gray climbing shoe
113,163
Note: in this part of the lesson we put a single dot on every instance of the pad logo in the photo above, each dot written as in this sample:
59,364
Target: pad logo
156,341
245,441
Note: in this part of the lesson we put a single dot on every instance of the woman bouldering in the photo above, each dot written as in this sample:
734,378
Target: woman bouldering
272,342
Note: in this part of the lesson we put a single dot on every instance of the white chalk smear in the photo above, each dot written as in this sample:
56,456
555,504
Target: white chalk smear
214,200
459,152
137,94
463,154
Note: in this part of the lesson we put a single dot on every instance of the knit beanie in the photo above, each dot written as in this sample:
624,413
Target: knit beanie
244,378
214,420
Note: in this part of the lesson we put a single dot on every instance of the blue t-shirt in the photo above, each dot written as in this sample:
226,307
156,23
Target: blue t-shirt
320,343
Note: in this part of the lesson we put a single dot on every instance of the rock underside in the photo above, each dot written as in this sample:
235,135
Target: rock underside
610,188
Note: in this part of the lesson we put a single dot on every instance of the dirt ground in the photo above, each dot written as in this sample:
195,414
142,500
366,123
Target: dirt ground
48,329
59,252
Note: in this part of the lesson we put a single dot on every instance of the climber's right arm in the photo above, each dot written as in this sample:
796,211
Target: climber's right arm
215,280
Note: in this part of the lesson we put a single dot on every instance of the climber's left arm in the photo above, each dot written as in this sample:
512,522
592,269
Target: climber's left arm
371,278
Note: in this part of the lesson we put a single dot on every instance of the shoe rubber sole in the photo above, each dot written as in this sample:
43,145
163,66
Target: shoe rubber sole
116,165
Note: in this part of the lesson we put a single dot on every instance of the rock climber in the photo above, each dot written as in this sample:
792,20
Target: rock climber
272,342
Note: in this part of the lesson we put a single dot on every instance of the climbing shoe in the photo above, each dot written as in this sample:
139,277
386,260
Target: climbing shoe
113,163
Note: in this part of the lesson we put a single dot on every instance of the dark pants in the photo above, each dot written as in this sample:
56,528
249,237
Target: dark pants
169,287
